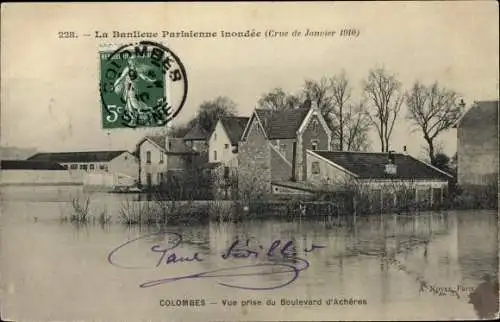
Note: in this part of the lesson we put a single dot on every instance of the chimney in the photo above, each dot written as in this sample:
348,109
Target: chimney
391,167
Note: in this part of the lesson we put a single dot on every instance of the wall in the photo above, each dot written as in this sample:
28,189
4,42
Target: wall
178,161
155,166
126,164
40,177
285,146
305,143
477,152
218,142
281,170
254,162
328,174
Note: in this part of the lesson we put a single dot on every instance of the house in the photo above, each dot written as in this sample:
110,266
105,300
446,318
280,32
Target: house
115,162
160,155
197,138
383,176
477,150
223,141
273,147
223,154
26,172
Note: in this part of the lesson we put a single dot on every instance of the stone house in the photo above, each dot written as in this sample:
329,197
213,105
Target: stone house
477,150
161,155
385,177
273,147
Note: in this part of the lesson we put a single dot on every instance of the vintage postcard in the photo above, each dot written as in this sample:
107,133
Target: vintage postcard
249,161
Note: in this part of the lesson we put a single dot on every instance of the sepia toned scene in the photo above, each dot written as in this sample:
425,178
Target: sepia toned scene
267,161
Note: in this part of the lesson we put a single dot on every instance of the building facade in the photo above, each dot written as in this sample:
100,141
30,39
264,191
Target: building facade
161,155
477,150
273,147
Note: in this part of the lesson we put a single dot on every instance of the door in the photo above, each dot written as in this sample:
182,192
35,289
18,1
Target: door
148,180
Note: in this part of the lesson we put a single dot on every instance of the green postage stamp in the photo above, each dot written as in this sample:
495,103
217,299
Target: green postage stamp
141,85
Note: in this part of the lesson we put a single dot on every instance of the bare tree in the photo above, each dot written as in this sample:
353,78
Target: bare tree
383,92
319,92
350,122
278,99
433,110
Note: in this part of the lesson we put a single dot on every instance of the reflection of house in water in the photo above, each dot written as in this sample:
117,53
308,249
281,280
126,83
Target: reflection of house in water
477,237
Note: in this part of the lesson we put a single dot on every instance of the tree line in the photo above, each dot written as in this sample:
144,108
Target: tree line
431,109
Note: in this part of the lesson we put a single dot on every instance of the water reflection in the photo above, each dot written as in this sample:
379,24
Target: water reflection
406,267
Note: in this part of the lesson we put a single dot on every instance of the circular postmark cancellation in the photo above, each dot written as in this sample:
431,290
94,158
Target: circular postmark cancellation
142,84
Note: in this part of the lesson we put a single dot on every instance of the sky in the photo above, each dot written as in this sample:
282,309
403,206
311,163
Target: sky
49,86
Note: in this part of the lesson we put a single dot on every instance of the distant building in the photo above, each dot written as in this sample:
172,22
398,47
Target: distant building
27,172
160,155
381,175
197,139
116,162
273,147
477,152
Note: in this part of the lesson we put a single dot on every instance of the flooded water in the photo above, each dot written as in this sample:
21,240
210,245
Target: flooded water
395,267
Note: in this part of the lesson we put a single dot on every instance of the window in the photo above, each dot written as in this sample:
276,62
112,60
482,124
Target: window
314,144
315,167
283,147
226,146
102,166
215,136
161,157
125,157
169,146
215,155
106,168
315,127
92,167
73,166
65,166
226,172
148,157
83,167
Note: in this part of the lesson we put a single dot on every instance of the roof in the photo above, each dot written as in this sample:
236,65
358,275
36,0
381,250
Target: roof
234,126
197,133
176,145
29,165
282,124
87,156
369,165
479,114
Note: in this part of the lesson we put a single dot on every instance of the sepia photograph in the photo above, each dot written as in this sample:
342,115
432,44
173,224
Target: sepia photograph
266,161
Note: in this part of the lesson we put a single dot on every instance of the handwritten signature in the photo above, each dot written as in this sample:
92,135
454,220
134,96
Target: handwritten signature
279,258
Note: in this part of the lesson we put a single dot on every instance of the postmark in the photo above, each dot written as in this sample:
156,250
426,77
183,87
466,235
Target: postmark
142,84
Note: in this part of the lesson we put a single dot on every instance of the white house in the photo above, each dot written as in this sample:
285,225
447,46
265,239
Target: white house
161,154
223,141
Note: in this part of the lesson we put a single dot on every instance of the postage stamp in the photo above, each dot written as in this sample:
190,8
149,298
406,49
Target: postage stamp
142,84
327,161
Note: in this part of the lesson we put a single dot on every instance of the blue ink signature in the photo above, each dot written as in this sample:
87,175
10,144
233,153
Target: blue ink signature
279,258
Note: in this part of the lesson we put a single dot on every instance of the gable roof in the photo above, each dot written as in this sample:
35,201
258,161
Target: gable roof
234,126
176,145
197,133
69,157
281,124
369,165
479,114
29,165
